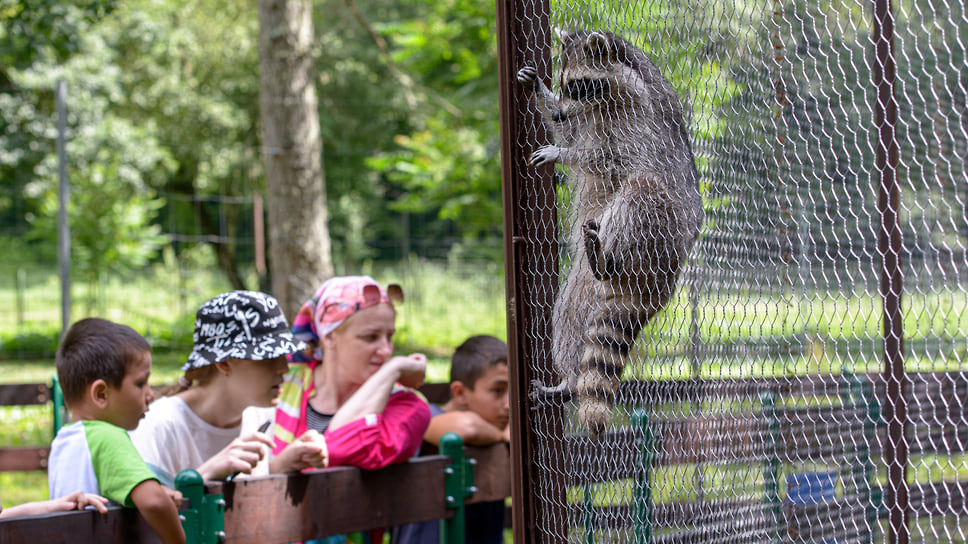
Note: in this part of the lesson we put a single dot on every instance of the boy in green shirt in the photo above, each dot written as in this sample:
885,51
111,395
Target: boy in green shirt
103,368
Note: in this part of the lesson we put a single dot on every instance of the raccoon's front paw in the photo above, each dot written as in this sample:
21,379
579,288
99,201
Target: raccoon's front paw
527,76
546,154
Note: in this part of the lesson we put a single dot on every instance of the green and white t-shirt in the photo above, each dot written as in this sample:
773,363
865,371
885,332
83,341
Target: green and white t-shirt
95,457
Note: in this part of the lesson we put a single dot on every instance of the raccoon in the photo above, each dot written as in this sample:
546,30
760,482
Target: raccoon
635,208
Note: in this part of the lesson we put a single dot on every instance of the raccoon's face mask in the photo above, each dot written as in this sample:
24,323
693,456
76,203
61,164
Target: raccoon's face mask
586,89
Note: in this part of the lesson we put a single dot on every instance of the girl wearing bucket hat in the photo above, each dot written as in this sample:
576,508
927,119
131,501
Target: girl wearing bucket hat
241,340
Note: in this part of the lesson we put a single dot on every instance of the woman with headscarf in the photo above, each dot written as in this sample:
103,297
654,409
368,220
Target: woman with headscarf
347,385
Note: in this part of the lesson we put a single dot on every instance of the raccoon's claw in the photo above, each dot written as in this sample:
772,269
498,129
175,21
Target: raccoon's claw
546,154
527,76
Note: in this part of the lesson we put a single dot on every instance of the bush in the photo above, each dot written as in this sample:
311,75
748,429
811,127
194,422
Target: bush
29,345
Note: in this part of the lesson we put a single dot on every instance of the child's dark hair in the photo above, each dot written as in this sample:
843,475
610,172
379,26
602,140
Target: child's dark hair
96,349
474,357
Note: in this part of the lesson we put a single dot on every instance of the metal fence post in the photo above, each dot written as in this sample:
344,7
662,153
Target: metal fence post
863,470
204,519
771,463
458,485
642,494
57,397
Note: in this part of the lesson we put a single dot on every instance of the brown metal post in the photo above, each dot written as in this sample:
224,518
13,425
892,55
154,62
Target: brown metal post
889,246
531,267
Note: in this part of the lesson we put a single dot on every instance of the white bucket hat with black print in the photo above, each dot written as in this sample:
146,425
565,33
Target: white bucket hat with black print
240,325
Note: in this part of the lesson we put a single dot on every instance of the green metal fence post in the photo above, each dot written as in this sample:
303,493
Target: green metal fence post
57,397
458,485
642,494
204,519
864,465
771,463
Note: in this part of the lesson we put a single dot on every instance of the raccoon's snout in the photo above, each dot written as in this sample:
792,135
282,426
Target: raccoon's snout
586,89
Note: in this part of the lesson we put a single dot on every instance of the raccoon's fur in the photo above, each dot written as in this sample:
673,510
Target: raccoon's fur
636,208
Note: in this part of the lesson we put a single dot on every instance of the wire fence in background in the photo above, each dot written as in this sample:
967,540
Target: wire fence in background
207,240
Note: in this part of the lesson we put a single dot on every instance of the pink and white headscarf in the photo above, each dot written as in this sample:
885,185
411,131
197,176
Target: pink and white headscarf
335,301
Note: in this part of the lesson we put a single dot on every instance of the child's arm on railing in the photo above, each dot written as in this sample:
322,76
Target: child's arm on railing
159,506
77,500
473,429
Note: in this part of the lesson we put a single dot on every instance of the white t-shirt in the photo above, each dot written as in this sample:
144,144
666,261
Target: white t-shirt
95,457
172,438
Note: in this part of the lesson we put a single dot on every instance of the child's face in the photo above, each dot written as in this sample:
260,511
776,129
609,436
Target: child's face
257,383
127,404
489,397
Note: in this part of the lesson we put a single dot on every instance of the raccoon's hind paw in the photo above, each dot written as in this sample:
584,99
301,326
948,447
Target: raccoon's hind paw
594,416
546,154
527,76
541,392
593,250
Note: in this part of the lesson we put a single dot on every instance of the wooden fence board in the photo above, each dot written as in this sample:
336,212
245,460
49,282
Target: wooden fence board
492,472
22,459
24,394
118,526
288,508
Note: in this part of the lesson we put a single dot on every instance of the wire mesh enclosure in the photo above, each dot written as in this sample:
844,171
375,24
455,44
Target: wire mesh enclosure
785,365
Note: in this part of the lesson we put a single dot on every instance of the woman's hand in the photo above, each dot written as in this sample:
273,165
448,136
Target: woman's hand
307,451
412,369
240,456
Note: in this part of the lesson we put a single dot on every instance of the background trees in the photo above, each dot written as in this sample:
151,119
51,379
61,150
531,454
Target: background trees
164,126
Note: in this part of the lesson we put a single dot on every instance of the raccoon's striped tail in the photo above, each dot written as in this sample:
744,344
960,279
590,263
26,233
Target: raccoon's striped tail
610,338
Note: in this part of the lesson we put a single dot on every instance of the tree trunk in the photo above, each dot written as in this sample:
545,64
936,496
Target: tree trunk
299,245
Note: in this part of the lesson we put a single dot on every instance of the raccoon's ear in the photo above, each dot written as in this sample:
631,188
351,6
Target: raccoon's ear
599,45
561,33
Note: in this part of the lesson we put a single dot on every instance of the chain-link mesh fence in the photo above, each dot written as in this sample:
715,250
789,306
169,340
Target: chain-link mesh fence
805,381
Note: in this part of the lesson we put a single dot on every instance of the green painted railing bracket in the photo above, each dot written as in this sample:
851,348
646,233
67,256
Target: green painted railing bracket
771,465
204,519
647,448
57,397
458,485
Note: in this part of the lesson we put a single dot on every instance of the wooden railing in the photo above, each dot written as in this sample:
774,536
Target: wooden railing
293,507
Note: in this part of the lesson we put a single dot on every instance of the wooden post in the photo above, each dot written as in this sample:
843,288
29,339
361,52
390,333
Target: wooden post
531,275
